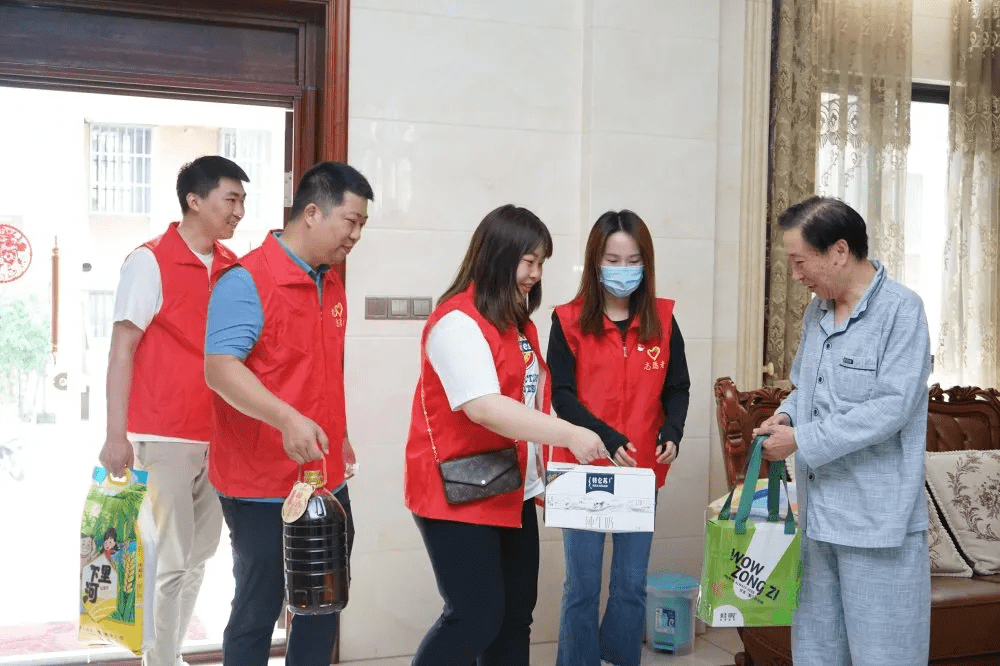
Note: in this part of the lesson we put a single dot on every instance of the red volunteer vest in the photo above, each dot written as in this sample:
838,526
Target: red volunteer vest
299,357
455,435
621,386
169,396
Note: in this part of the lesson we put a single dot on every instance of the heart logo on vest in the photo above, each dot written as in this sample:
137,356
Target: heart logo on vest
653,352
338,310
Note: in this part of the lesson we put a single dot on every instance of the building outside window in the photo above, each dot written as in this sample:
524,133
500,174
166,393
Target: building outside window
100,312
251,149
120,173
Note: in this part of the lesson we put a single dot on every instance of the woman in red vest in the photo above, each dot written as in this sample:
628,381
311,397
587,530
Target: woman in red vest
483,388
618,369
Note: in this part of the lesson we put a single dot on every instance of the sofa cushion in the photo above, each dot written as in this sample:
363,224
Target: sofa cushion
945,558
947,592
966,487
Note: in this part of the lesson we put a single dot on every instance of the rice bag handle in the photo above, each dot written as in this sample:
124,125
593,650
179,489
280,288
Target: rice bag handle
112,480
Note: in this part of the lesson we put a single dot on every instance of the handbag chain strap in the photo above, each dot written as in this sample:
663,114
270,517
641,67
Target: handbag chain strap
423,401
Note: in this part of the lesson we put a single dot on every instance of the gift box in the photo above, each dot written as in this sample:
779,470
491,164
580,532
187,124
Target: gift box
600,499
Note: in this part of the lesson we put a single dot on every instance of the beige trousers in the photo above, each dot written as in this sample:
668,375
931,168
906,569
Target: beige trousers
188,528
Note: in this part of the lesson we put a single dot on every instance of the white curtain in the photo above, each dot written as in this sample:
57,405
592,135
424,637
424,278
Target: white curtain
967,345
864,56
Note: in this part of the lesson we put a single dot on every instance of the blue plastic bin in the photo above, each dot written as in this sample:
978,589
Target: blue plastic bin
671,603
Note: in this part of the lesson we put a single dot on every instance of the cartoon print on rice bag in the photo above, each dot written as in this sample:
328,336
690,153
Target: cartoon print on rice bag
88,548
111,547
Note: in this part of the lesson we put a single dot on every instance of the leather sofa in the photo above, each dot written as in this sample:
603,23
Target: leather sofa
965,612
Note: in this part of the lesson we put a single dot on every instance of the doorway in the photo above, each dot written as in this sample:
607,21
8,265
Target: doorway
290,55
94,179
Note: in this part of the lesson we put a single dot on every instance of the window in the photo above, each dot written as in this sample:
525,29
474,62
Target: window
926,211
100,311
251,149
926,200
120,157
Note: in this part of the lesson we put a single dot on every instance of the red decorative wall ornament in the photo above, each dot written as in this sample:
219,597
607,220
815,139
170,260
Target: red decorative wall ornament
15,253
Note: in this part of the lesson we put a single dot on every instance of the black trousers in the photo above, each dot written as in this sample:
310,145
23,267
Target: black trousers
488,577
258,566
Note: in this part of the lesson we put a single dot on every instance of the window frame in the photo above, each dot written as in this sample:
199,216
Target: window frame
126,194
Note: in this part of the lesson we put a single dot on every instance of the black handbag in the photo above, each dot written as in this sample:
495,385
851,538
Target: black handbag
478,476
481,475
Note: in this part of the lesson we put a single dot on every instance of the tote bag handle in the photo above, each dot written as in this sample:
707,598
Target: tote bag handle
776,475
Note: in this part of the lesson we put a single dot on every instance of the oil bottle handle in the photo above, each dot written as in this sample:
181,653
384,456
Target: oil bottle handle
322,481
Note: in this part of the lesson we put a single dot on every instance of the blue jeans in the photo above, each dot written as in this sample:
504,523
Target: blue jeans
258,566
618,638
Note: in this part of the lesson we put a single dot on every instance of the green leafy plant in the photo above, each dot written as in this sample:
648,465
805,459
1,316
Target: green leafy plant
24,350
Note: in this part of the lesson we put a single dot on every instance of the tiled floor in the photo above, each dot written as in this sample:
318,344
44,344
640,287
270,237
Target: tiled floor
715,647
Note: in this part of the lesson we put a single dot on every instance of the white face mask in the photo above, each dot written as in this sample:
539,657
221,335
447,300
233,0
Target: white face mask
621,281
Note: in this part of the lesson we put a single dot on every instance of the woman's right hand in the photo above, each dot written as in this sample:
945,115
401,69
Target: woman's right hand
586,445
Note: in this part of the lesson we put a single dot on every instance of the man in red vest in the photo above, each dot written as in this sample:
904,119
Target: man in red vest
274,354
157,396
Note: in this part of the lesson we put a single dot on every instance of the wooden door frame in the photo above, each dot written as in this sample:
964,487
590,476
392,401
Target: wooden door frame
318,95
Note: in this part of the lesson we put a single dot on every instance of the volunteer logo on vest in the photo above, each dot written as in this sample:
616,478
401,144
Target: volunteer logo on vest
653,353
338,314
601,482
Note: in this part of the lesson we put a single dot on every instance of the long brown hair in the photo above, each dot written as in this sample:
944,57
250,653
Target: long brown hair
504,236
642,302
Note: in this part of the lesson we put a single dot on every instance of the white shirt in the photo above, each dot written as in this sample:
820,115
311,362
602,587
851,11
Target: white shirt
461,357
138,298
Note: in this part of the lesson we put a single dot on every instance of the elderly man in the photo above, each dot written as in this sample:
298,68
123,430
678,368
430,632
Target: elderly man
857,423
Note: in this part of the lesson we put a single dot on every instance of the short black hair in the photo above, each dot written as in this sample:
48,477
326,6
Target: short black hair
324,185
825,220
202,175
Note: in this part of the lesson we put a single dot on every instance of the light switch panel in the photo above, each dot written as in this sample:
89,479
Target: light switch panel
376,307
399,308
421,308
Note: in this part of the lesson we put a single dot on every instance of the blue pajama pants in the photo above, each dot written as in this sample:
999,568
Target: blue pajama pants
863,606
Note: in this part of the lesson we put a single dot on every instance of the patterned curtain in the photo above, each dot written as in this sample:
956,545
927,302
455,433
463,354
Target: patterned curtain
865,62
967,346
841,123
794,127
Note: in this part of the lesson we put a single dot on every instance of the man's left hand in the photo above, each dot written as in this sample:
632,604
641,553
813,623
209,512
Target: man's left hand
350,461
780,442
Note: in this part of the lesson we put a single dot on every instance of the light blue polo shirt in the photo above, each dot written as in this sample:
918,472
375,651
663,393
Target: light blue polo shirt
236,317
